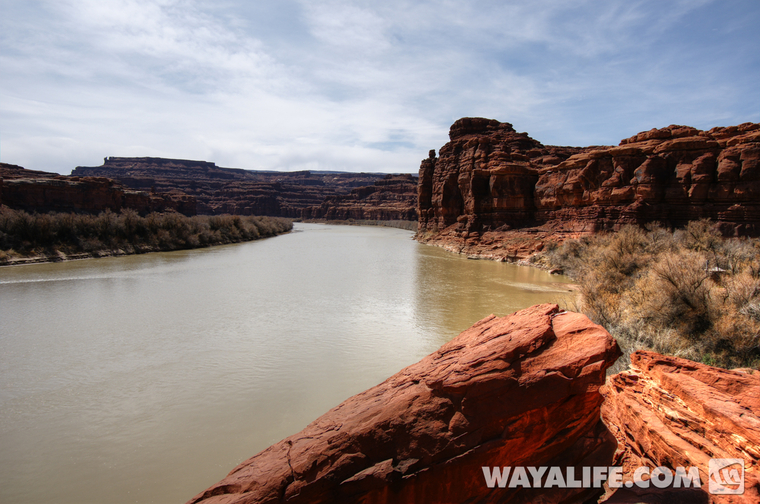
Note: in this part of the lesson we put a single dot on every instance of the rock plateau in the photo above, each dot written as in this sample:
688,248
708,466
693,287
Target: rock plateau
38,191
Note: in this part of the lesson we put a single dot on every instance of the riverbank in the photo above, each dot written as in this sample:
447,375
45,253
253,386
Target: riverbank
688,293
399,224
513,246
53,237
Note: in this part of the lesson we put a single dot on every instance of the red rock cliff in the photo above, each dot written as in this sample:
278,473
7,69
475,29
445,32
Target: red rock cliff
394,197
301,194
517,390
489,177
37,191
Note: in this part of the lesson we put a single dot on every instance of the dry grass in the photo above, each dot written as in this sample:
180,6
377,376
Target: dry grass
689,292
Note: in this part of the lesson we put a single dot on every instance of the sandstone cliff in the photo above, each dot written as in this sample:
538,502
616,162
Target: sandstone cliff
517,390
37,191
301,194
490,179
394,197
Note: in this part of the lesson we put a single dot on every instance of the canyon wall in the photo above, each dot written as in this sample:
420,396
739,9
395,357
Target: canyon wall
38,191
393,197
489,178
301,194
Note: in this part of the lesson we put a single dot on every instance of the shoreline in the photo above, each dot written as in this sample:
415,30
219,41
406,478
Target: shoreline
60,257
453,248
398,224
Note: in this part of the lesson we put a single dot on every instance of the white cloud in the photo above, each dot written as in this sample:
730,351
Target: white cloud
357,85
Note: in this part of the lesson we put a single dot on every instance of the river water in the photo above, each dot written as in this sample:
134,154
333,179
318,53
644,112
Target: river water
148,378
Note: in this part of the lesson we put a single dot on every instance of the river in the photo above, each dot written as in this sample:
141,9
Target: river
147,378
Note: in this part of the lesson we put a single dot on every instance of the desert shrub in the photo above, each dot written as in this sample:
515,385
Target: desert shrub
687,292
49,234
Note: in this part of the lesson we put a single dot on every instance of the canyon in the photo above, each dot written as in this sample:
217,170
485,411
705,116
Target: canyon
523,390
494,192
299,194
38,191
201,187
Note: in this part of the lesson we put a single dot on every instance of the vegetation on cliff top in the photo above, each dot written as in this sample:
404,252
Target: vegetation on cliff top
688,293
56,235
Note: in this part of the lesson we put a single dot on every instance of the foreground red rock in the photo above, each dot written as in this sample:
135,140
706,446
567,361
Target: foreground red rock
673,412
517,390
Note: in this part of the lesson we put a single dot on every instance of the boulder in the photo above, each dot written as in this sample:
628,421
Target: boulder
672,412
521,390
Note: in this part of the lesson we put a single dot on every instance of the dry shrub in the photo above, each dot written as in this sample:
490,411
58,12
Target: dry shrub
688,293
49,234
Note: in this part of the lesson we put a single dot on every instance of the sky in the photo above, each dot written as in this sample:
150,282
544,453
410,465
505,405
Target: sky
356,85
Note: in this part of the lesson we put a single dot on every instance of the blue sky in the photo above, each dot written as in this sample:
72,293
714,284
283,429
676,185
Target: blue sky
358,85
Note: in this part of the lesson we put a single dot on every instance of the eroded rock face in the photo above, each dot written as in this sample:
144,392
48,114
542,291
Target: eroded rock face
674,412
301,194
490,179
484,178
394,197
517,390
37,191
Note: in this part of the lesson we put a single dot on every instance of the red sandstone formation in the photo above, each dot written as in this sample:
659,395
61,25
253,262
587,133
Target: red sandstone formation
301,194
392,198
673,412
517,390
491,179
37,191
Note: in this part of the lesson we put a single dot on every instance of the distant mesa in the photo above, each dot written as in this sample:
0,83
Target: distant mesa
299,194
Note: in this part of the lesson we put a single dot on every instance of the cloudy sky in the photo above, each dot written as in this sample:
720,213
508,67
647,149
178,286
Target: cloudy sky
358,85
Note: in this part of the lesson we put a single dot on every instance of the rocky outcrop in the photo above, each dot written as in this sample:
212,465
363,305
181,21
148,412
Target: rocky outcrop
490,179
671,175
521,390
484,178
673,412
301,194
394,197
36,191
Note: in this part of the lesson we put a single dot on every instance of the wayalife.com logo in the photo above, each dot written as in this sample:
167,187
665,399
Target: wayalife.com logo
726,477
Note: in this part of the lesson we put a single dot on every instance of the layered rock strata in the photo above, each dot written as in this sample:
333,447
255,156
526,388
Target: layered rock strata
673,412
394,197
301,194
521,390
37,191
490,179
